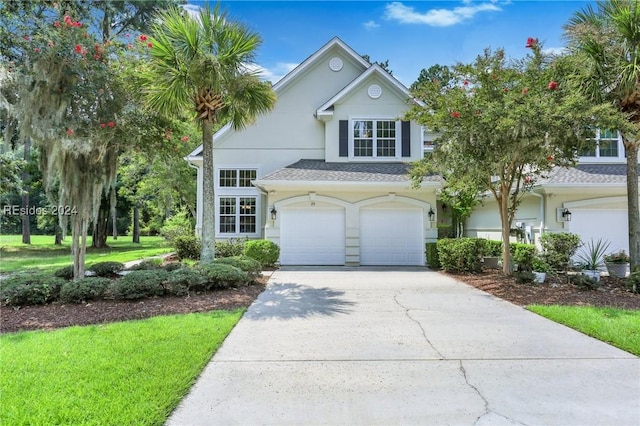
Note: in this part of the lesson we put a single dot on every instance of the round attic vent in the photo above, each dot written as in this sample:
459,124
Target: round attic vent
374,91
336,64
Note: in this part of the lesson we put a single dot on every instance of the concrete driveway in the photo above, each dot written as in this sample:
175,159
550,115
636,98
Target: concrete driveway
405,346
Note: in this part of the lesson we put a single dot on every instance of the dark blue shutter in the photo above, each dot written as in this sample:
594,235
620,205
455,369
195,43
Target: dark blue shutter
343,138
406,139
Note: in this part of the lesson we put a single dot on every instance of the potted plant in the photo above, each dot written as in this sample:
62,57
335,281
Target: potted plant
617,264
492,254
540,269
592,258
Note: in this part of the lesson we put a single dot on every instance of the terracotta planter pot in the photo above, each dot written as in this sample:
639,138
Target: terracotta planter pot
617,270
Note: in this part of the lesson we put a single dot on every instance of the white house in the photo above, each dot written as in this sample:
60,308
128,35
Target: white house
323,174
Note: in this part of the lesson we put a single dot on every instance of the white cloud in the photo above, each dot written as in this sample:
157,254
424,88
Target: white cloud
397,11
192,10
554,50
274,73
371,25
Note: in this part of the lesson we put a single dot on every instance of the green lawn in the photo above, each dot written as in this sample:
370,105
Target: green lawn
43,254
619,327
127,373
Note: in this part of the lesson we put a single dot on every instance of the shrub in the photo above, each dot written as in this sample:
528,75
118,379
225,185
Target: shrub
461,254
183,280
65,272
106,269
584,282
433,261
140,284
84,289
633,282
148,264
187,247
523,255
523,277
264,251
172,266
252,267
231,247
493,248
540,265
221,276
178,225
559,248
31,289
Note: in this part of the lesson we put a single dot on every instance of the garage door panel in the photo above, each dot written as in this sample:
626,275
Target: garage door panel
391,237
593,224
312,236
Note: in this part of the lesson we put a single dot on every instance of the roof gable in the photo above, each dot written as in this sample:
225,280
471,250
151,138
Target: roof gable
294,76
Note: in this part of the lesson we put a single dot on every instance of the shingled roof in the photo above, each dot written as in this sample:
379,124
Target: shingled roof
589,174
321,171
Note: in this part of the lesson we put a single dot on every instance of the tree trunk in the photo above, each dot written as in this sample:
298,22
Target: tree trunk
136,224
58,235
207,253
114,214
632,202
100,228
503,202
26,219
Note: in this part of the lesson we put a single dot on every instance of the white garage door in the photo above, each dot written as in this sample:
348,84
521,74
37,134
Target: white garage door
312,236
391,236
610,225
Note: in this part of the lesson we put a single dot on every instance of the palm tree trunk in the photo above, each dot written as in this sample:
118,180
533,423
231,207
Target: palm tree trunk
632,202
207,254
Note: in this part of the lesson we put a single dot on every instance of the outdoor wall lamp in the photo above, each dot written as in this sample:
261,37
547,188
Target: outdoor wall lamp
432,215
274,213
566,215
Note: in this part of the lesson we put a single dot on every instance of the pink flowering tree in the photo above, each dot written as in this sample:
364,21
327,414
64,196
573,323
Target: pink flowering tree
62,86
503,124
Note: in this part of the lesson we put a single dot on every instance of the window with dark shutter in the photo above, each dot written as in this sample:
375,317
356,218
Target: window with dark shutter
406,139
343,138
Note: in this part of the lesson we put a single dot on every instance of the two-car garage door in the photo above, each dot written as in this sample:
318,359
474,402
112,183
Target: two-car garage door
316,236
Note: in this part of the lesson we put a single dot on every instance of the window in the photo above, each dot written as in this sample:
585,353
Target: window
605,145
236,178
374,138
237,215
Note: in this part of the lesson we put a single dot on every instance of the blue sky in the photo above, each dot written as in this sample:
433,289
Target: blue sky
412,35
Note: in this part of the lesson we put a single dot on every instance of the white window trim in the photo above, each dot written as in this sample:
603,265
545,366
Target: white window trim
238,234
373,158
226,191
598,159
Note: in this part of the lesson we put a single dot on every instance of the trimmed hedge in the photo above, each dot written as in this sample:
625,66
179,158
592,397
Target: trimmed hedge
221,276
106,269
31,289
252,267
264,251
433,260
140,284
65,272
84,289
181,281
187,247
461,254
559,248
523,255
230,248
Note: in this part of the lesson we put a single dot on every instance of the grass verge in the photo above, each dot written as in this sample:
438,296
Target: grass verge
619,327
127,373
42,253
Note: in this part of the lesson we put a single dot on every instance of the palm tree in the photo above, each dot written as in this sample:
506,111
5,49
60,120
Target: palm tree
608,38
202,64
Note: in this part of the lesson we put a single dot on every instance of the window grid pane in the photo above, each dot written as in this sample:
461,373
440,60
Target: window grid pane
609,148
246,176
227,215
363,148
228,178
247,215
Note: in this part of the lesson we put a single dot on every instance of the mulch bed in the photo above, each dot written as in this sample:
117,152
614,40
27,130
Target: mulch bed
612,293
555,291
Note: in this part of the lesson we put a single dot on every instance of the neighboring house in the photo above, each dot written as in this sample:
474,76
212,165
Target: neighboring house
594,193
323,175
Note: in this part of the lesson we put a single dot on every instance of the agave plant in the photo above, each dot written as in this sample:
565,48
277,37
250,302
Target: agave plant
592,256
